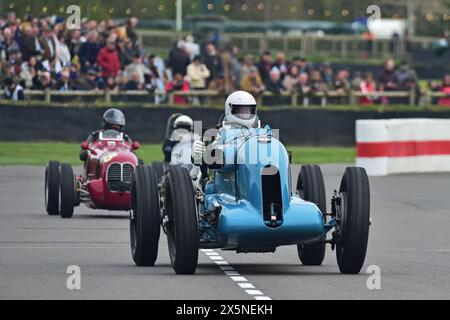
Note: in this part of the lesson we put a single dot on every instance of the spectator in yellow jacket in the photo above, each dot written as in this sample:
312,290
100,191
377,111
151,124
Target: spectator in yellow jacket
198,75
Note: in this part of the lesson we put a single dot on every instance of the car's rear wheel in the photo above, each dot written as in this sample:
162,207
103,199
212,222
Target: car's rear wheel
159,168
145,217
354,220
52,188
67,191
182,226
311,187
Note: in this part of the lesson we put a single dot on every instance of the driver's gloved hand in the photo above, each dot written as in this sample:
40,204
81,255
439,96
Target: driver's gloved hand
198,149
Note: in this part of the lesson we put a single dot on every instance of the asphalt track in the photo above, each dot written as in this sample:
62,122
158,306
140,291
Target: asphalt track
409,241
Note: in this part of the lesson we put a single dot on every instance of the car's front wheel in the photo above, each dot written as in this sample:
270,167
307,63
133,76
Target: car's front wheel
311,187
182,225
67,191
145,217
52,188
353,220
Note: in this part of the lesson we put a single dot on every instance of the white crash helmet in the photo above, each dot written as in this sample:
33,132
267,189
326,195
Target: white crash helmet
183,125
184,122
240,109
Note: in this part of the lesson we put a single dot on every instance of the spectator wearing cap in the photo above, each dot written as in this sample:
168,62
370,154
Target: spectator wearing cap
264,66
108,59
90,81
89,51
198,74
13,91
213,62
253,83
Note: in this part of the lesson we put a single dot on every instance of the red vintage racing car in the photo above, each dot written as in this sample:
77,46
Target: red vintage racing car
105,183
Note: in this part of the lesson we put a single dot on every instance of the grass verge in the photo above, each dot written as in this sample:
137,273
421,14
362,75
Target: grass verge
39,153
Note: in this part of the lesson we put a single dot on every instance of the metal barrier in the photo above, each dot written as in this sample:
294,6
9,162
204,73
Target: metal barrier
212,97
342,46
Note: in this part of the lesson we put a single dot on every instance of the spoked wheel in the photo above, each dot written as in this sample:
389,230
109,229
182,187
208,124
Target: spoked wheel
145,217
182,224
311,187
353,219
67,191
52,188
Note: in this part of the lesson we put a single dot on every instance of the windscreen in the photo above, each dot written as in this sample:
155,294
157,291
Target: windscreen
111,135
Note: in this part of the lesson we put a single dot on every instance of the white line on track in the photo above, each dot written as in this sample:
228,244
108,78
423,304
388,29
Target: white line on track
230,272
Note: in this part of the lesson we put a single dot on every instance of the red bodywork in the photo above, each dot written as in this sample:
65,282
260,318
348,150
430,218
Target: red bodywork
95,190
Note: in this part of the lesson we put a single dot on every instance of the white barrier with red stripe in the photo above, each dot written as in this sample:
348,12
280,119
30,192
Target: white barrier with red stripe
403,145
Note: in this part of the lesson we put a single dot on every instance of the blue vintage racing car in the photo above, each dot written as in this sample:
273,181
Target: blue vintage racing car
245,203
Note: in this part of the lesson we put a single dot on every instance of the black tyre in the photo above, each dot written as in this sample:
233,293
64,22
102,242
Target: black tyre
182,227
67,191
52,188
354,221
311,187
145,217
159,168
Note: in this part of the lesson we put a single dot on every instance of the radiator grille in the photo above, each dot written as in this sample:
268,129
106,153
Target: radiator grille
120,177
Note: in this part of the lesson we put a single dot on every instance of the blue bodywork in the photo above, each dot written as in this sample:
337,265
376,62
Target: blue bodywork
248,202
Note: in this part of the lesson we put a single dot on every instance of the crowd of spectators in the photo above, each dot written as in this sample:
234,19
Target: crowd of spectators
41,53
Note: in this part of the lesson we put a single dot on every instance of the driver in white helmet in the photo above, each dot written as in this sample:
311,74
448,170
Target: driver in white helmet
240,112
180,141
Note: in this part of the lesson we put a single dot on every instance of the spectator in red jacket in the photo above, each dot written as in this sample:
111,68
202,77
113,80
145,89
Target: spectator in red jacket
108,59
367,86
178,84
